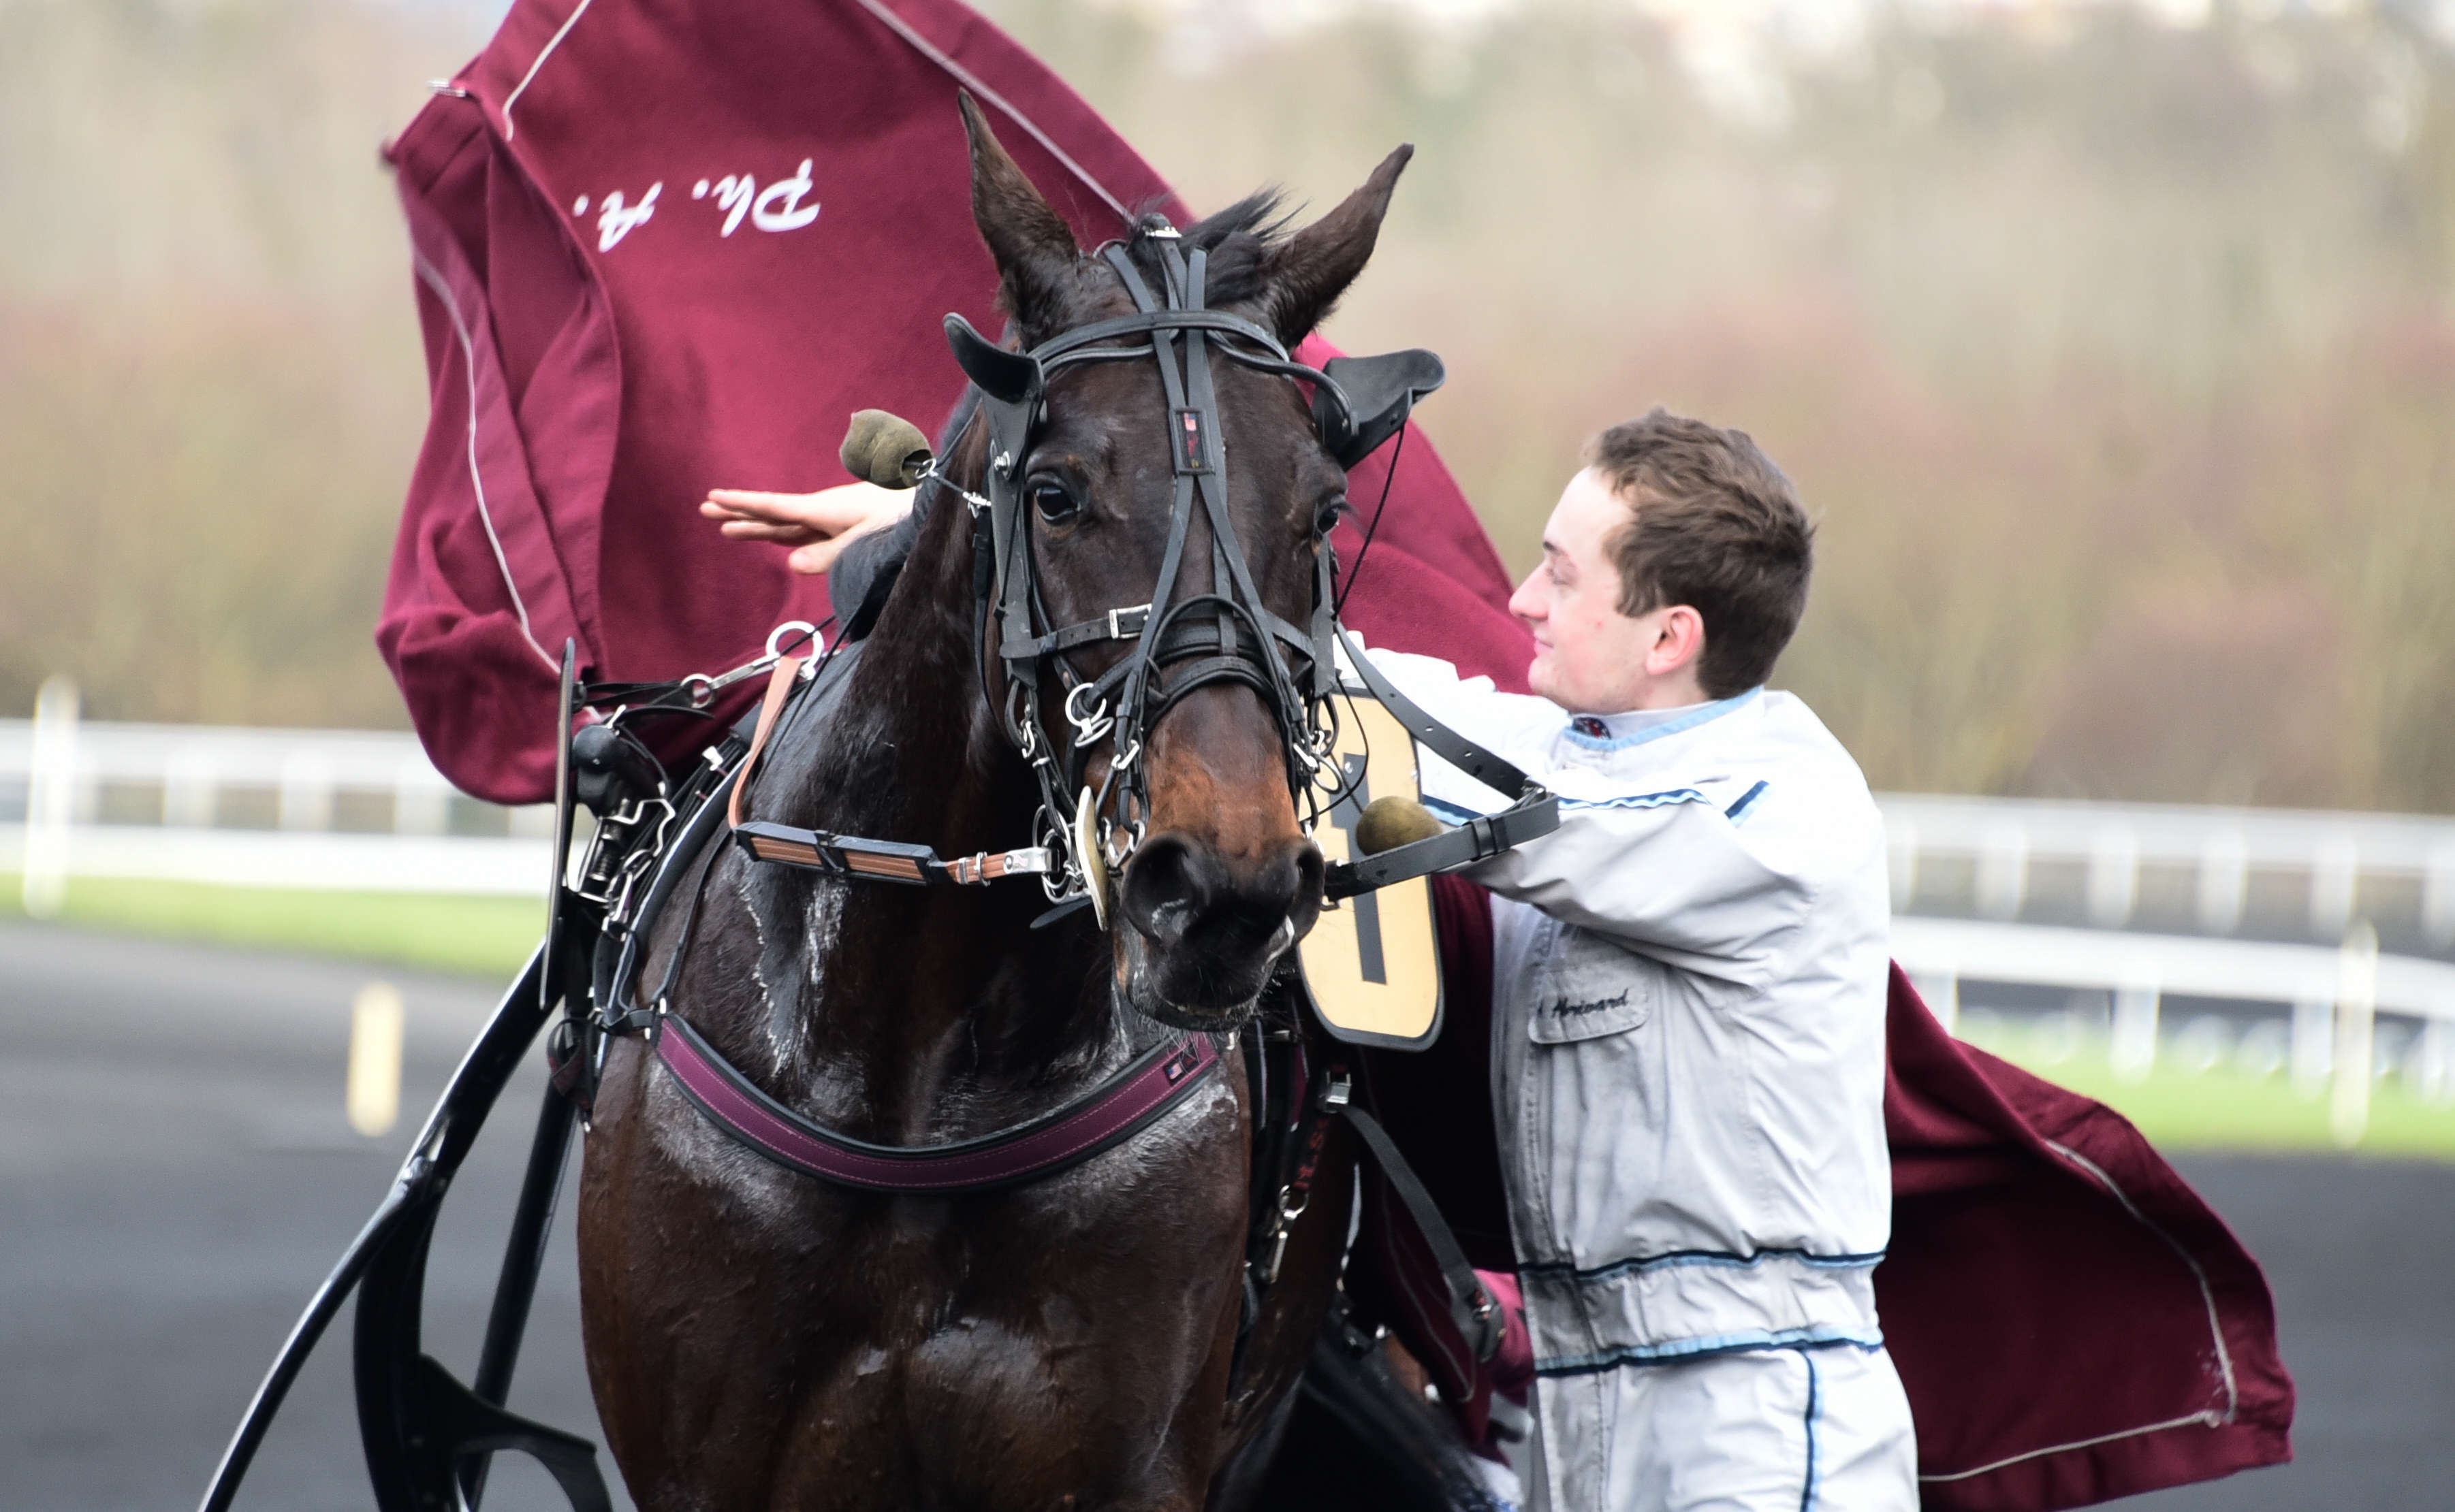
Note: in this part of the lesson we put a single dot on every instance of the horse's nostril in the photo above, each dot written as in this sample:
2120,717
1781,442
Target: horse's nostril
1177,886
1310,872
1169,885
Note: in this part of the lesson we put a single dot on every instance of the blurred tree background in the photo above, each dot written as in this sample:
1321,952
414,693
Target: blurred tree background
2113,346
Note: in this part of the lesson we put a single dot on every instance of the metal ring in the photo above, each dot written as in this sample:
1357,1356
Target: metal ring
809,633
1089,727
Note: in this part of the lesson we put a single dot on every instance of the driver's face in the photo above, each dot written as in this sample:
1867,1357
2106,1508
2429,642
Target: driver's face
1589,657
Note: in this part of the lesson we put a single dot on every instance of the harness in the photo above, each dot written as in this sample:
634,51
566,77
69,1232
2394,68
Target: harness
660,837
1174,644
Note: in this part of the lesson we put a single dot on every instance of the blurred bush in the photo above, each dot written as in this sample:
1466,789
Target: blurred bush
2114,357
2117,358
211,387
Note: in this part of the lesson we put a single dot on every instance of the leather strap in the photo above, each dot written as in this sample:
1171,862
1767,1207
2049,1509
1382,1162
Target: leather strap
1114,1111
779,690
1536,813
1478,839
1470,1307
1492,771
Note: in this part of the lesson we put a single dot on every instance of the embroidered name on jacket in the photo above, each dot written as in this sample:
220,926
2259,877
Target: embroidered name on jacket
1563,1008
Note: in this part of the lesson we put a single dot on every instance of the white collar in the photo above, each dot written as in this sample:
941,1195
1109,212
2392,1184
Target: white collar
1615,731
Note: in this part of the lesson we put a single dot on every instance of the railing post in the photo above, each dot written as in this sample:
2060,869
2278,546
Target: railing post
2335,875
2437,899
51,797
2348,1108
2225,881
189,783
2003,872
1941,993
2131,1048
2112,878
420,799
305,795
1901,841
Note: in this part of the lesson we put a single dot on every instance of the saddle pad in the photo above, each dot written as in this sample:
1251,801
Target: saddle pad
1371,964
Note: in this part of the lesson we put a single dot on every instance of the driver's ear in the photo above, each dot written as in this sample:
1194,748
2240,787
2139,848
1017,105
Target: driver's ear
1034,248
1679,642
1304,275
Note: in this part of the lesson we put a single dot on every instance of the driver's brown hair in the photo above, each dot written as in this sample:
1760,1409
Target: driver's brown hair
1713,525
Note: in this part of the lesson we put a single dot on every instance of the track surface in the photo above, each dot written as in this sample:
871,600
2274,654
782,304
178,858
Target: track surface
176,1176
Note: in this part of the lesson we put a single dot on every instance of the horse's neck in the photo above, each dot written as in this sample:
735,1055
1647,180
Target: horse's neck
906,988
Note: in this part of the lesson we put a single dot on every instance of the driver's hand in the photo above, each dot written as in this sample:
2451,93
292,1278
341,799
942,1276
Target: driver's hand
818,526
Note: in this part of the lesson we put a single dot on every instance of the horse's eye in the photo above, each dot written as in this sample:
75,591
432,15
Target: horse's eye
1055,504
1327,516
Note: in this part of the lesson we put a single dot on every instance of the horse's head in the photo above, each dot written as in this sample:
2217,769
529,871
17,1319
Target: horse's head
1119,486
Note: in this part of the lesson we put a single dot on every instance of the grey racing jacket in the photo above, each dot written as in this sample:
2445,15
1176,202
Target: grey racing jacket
1689,1003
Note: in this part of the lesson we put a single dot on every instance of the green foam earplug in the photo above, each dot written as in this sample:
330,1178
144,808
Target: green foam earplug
885,449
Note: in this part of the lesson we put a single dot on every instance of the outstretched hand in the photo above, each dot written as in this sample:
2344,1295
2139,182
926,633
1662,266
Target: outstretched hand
818,526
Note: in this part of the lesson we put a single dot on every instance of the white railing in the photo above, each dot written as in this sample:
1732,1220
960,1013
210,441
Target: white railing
152,799
356,810
364,810
2336,995
2007,841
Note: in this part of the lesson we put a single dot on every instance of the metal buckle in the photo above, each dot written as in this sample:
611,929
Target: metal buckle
1116,621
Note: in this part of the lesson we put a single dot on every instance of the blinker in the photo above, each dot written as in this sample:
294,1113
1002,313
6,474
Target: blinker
1009,377
1380,392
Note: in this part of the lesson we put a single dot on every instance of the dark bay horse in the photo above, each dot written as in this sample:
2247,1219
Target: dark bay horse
759,1339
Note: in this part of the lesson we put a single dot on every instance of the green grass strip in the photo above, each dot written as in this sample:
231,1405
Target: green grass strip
2223,1108
2226,1108
483,936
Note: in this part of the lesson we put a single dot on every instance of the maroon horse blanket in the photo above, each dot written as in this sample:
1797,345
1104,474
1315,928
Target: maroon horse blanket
661,245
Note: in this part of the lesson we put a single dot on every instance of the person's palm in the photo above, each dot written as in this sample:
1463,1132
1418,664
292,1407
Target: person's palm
818,526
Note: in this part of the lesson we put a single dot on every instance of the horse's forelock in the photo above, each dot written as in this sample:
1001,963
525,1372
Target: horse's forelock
1239,240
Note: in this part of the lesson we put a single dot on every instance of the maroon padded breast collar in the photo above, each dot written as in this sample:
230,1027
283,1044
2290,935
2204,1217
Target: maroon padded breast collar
1111,1113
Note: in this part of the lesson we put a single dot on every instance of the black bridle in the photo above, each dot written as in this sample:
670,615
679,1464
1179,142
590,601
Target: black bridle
1176,645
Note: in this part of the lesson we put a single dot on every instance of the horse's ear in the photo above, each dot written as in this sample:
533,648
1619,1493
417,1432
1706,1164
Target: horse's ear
1035,250
1306,274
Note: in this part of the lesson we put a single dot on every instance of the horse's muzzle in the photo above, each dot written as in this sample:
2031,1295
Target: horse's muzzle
1203,932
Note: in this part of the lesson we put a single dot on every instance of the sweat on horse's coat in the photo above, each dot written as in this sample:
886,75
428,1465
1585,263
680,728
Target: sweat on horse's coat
624,305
